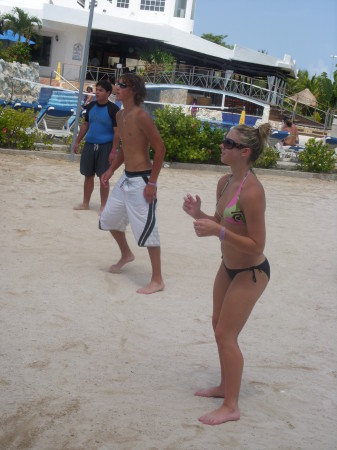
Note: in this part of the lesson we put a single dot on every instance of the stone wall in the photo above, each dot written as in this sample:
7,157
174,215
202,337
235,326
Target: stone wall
12,90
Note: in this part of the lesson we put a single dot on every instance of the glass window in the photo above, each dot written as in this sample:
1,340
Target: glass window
193,10
152,5
122,3
180,8
41,53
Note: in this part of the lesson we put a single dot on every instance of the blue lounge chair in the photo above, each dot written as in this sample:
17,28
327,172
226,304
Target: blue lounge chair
330,140
24,105
54,122
276,137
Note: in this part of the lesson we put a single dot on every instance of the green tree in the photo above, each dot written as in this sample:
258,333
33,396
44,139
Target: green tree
324,89
155,55
302,82
217,39
21,23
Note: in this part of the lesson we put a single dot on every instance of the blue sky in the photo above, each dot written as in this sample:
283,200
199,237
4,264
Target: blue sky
304,29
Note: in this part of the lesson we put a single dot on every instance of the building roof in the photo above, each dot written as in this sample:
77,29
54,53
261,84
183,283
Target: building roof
55,17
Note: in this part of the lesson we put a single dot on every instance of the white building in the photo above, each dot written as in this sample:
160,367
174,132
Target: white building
120,27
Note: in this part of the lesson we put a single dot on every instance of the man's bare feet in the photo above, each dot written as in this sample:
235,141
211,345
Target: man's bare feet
81,207
116,268
216,391
221,415
151,288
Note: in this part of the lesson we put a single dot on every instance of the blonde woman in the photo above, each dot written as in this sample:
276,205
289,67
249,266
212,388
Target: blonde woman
239,223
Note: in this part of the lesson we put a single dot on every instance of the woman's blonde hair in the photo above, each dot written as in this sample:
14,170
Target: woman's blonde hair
254,138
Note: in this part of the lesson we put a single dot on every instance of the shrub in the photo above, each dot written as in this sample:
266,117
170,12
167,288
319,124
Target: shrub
19,52
268,158
317,157
186,139
17,128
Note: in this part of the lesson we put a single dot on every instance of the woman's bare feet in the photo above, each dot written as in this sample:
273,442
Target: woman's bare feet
221,415
116,268
152,287
216,391
81,207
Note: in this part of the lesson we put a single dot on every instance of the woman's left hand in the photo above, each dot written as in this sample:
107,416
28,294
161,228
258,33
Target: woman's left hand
206,227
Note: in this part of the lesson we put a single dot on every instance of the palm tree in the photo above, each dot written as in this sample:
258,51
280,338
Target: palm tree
21,23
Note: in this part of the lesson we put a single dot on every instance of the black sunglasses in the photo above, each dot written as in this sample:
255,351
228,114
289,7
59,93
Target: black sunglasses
230,144
122,85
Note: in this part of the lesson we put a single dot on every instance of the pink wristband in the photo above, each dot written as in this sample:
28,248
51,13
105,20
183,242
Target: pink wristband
222,234
151,184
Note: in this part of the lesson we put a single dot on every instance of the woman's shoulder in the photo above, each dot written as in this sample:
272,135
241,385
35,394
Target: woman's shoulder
222,183
224,178
252,189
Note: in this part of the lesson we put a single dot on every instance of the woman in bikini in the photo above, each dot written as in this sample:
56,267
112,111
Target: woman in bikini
239,223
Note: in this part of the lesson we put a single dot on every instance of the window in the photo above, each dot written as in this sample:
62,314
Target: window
122,3
193,10
41,54
152,5
180,9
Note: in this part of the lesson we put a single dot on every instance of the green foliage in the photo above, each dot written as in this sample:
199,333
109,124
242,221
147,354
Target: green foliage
321,87
185,139
155,55
268,159
19,52
17,128
324,89
317,117
217,39
317,157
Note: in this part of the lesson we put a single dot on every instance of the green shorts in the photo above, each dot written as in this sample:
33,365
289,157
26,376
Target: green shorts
95,159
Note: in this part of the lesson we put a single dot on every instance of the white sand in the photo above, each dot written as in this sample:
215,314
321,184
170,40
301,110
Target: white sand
87,363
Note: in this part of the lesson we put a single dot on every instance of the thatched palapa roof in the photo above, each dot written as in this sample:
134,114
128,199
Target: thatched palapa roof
306,97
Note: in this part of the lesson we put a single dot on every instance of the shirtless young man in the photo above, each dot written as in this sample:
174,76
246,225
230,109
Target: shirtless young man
134,197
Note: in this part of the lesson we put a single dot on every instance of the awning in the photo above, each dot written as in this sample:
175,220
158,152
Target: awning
10,36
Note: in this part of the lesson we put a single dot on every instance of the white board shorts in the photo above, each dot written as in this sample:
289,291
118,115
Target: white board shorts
126,204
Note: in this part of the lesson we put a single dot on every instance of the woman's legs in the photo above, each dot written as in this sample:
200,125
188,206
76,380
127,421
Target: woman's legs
238,303
221,284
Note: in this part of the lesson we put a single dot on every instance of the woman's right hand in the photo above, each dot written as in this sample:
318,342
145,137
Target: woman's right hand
192,206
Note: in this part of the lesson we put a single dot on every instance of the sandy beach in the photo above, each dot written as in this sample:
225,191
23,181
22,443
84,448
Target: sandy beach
86,363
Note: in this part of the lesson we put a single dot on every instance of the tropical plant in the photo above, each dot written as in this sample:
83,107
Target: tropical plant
19,52
317,157
186,139
217,39
17,128
21,23
157,56
324,89
268,159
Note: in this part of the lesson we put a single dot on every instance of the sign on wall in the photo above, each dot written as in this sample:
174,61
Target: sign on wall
77,52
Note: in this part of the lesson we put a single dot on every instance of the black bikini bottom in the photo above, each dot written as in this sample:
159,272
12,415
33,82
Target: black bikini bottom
263,267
